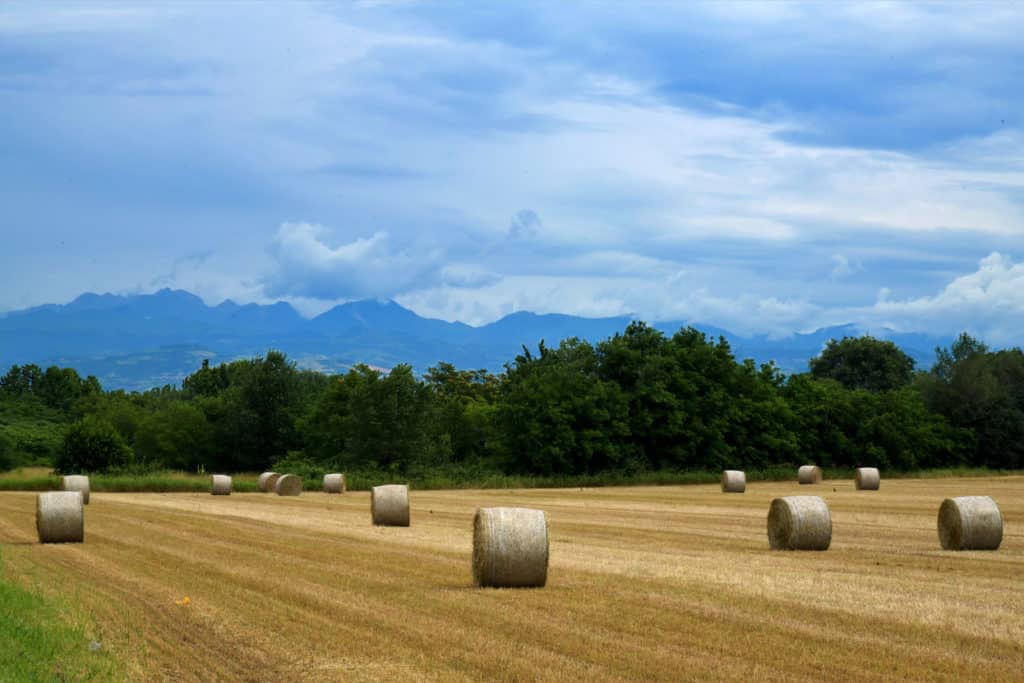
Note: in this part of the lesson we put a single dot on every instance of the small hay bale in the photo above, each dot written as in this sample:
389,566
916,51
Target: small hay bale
867,479
970,523
60,517
334,483
734,481
389,505
809,474
220,485
267,481
288,485
510,548
799,523
76,482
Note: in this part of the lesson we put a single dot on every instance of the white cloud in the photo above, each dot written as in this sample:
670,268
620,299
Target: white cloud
843,267
368,267
988,302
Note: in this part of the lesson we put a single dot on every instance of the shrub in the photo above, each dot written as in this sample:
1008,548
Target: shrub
91,445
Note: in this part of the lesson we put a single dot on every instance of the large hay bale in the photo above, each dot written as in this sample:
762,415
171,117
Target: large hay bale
334,483
799,523
60,517
809,474
288,485
267,481
510,547
970,523
867,479
76,482
734,481
389,505
220,485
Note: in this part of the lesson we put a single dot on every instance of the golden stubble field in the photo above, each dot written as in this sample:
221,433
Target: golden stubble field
645,583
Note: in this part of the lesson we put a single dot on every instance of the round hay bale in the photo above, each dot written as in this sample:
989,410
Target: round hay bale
288,485
809,474
970,523
220,485
76,482
334,483
510,548
267,481
734,481
389,505
799,523
867,479
60,517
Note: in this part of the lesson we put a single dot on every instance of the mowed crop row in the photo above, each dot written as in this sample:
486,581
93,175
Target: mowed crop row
656,583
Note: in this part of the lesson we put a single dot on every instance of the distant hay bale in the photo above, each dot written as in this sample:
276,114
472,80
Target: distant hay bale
809,474
220,485
267,481
734,481
867,479
799,523
288,485
970,523
389,505
510,548
76,482
334,483
60,517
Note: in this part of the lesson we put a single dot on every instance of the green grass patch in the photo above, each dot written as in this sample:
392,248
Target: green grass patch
33,479
40,641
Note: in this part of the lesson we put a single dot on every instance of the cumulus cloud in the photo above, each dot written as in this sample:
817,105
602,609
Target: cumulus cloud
988,302
304,265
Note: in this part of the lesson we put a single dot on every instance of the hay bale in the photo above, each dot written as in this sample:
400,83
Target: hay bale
510,548
809,474
267,481
220,485
76,482
288,485
867,479
60,517
389,505
799,523
334,483
970,523
734,481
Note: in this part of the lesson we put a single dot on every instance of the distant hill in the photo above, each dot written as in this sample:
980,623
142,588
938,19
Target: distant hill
141,341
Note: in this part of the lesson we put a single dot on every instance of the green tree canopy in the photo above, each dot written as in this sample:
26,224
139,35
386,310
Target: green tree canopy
92,445
863,363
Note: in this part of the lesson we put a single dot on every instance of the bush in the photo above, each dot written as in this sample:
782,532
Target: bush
92,445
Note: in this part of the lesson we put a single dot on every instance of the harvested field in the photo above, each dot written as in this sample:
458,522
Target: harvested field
653,583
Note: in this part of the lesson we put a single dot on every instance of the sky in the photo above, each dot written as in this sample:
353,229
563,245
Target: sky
763,167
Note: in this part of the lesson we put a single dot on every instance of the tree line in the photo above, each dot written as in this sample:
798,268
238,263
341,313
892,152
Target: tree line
638,401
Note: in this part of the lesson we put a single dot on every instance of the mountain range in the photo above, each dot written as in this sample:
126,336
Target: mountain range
140,341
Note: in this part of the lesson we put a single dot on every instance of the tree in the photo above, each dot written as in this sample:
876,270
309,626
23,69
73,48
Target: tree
464,405
558,416
7,459
91,445
964,348
369,420
175,437
863,363
983,392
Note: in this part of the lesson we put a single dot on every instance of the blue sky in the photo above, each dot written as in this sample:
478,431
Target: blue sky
765,168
